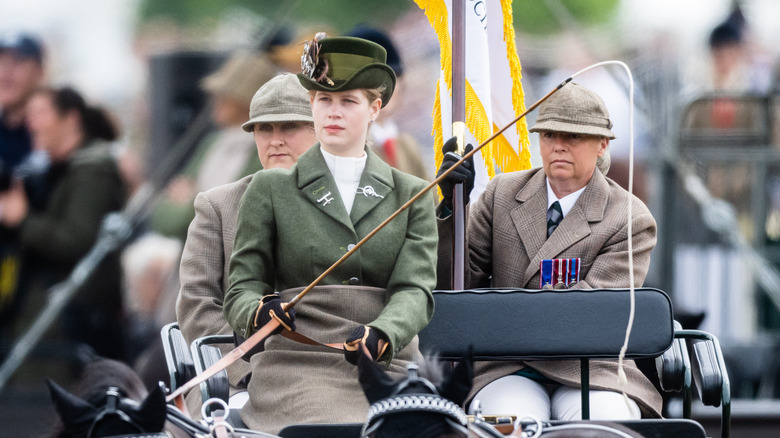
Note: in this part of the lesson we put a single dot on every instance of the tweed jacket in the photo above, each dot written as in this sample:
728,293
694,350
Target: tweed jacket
172,217
292,226
507,239
203,273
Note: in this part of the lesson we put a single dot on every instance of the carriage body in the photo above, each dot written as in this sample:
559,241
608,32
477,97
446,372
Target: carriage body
577,325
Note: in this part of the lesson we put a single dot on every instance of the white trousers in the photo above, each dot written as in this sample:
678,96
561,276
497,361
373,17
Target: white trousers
238,400
523,397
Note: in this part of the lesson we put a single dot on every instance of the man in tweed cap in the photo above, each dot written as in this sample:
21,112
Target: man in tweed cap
563,211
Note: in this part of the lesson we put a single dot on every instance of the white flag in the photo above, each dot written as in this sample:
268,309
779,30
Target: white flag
494,94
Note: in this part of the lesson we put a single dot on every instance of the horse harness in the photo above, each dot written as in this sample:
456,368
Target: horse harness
400,402
115,407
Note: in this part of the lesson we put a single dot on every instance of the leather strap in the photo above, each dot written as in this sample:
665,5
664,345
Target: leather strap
179,403
178,395
220,427
303,339
223,363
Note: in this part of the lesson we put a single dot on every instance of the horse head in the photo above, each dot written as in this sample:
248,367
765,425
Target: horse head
112,403
416,406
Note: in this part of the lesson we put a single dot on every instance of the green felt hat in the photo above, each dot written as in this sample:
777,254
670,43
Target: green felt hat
348,63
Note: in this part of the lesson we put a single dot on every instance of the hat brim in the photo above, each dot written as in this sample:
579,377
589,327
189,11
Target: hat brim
268,118
559,126
374,75
22,54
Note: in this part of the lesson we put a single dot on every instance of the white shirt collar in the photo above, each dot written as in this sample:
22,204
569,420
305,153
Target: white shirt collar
345,169
567,202
346,172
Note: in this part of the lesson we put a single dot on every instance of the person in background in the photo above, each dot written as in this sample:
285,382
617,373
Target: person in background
527,220
396,148
734,62
82,185
224,156
280,122
293,224
21,72
149,266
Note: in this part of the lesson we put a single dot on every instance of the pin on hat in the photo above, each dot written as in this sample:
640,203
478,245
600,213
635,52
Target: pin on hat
346,63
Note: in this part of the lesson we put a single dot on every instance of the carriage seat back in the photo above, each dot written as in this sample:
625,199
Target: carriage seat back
707,374
177,355
206,354
673,367
519,324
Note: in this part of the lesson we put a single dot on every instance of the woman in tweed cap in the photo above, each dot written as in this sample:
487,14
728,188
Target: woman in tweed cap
564,210
281,124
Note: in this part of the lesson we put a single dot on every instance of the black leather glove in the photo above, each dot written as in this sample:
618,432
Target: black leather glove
368,336
270,307
462,174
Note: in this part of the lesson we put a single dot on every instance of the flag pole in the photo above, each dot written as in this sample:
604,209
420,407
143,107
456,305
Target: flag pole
458,129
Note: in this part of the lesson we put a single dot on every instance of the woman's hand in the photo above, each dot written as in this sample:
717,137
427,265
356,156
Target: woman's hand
270,307
374,340
14,205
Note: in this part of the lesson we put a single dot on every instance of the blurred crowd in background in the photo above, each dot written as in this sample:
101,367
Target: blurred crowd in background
76,147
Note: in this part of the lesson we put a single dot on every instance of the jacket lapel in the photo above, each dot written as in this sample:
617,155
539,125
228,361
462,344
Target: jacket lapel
530,214
376,183
574,227
319,187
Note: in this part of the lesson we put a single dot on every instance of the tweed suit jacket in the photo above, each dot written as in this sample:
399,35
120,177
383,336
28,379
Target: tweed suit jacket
507,239
292,226
203,273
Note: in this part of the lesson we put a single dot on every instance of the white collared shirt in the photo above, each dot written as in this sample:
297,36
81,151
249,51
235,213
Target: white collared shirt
567,202
347,172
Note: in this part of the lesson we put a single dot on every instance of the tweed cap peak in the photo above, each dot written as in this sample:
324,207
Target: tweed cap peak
574,109
282,99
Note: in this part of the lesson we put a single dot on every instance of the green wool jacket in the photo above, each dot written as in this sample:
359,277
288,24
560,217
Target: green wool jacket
292,226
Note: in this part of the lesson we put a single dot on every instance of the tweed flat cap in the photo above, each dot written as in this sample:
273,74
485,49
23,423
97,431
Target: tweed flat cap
282,99
574,109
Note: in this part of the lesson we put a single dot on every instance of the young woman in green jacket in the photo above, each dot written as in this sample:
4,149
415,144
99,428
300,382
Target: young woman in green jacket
295,223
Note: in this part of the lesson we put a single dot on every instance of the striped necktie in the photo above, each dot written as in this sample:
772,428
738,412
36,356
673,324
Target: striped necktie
554,217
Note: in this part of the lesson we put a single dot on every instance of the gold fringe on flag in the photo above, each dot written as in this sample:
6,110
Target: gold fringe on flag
523,161
500,153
